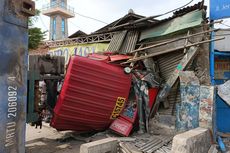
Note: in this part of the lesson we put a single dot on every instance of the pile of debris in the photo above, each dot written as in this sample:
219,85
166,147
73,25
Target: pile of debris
153,80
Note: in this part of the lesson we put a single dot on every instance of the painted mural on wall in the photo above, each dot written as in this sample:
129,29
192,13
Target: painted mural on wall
207,99
81,50
187,116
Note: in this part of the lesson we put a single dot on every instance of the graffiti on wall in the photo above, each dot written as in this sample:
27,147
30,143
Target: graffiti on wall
81,50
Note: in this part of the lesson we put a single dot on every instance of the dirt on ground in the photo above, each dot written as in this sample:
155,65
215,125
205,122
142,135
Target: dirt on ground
49,140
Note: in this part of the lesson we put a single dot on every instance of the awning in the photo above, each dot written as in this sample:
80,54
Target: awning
184,22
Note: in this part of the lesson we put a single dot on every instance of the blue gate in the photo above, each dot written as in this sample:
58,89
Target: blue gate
222,74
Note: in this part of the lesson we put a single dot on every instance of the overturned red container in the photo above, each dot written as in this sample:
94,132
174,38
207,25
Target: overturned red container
93,95
122,126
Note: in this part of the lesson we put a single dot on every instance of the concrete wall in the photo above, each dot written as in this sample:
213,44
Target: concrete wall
108,145
194,141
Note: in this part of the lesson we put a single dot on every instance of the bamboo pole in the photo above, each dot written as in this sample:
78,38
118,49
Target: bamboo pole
171,50
173,40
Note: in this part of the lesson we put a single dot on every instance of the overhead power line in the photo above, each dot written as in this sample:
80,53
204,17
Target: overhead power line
177,8
90,18
43,23
157,15
148,18
74,24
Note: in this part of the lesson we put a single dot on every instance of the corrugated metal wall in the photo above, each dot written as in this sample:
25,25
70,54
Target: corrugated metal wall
130,42
117,41
167,64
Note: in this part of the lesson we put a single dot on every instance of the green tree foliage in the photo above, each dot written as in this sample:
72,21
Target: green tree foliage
36,36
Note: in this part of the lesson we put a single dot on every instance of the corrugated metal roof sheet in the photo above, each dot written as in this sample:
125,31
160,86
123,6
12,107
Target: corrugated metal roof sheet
130,41
123,42
89,94
168,63
117,40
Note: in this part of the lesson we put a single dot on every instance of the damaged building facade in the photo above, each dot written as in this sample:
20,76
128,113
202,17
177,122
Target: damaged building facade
165,64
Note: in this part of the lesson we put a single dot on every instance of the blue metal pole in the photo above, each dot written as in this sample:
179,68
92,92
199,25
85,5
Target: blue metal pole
221,144
13,73
212,77
212,58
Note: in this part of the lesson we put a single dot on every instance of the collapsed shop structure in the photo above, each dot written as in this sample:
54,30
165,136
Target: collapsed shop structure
134,31
169,49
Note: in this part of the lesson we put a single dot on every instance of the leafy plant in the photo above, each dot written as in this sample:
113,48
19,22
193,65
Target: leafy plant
36,35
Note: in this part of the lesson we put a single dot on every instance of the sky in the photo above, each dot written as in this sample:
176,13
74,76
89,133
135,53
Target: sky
109,11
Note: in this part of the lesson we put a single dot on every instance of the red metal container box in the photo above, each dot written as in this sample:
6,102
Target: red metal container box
93,94
122,126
